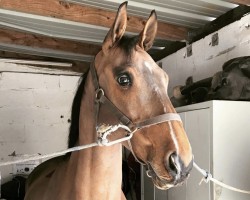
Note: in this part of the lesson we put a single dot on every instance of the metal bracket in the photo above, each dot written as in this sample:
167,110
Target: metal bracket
215,39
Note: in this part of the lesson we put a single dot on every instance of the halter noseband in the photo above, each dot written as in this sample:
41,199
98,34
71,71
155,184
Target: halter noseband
126,123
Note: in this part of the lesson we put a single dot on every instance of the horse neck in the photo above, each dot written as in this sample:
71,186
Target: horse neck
98,170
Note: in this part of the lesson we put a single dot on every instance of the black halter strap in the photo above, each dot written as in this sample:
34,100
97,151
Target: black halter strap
102,99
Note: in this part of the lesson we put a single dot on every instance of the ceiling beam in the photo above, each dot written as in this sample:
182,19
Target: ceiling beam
241,2
11,37
37,41
77,66
89,15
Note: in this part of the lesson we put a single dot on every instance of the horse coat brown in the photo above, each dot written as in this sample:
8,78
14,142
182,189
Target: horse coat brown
134,83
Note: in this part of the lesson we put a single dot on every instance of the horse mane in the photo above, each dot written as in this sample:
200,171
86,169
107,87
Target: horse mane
75,112
127,44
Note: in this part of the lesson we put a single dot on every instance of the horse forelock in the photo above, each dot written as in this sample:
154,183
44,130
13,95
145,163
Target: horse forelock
127,44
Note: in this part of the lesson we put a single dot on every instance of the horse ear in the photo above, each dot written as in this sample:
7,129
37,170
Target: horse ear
118,28
147,36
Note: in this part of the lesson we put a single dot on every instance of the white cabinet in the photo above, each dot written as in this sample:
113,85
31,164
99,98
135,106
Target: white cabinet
219,133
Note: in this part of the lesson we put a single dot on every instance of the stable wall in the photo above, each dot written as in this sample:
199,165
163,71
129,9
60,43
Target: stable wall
206,60
35,107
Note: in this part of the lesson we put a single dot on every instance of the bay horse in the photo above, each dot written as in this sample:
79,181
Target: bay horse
135,88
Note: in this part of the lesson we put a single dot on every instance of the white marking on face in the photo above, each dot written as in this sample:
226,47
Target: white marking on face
148,66
173,136
158,86
160,96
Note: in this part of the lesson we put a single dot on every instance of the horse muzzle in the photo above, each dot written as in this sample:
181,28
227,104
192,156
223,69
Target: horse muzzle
177,173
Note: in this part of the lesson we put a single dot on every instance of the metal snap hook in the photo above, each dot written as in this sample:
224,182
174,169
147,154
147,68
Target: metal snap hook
98,94
149,173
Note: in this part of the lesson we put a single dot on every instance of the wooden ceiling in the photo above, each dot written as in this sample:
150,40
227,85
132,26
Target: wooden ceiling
23,38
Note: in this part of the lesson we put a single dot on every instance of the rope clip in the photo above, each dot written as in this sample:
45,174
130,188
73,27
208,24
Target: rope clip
206,178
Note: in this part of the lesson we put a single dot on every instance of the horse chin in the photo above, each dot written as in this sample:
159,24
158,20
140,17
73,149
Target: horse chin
163,183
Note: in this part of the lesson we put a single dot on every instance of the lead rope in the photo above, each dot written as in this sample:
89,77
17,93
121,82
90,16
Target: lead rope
208,177
59,153
101,141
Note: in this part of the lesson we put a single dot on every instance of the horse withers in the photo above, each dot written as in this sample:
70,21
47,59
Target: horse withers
136,89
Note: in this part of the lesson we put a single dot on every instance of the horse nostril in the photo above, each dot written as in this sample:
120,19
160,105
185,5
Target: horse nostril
174,164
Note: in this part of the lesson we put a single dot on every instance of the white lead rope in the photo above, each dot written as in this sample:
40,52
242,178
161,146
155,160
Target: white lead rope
208,177
59,153
101,141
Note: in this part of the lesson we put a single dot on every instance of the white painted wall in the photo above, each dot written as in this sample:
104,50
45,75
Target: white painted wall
234,41
34,111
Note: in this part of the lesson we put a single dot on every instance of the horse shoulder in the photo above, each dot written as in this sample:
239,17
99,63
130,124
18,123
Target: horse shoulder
46,169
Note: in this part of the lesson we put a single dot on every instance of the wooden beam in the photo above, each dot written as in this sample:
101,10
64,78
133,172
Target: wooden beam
77,66
241,2
31,40
89,15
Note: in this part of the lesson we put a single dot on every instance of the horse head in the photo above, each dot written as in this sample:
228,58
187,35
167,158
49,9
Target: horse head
137,86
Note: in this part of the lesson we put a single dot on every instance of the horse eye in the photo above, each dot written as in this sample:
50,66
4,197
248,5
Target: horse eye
124,80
